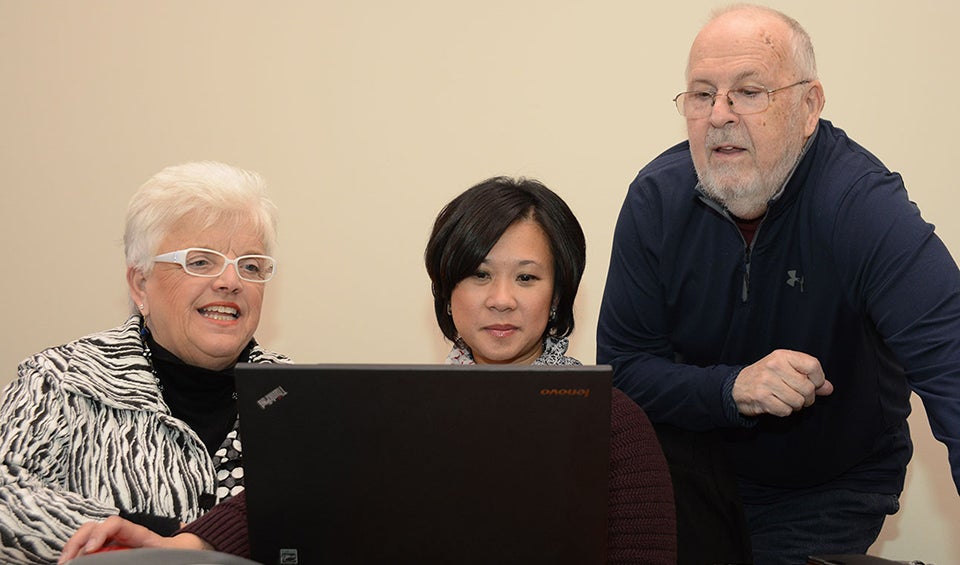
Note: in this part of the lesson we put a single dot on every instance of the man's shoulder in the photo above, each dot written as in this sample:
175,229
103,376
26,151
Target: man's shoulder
842,154
839,172
669,175
675,160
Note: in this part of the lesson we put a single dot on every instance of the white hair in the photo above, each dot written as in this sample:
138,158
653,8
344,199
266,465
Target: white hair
212,192
801,46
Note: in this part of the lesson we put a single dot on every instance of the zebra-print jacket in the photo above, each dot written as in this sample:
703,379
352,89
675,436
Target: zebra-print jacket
85,433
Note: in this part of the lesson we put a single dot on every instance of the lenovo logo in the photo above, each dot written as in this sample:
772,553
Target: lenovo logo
584,392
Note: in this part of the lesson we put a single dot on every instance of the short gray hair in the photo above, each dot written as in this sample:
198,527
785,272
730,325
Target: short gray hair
219,192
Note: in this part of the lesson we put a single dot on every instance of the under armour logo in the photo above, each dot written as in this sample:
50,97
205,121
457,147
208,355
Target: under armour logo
793,280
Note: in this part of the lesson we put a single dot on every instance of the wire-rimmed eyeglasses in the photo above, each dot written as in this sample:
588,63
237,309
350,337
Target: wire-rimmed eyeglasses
742,101
201,262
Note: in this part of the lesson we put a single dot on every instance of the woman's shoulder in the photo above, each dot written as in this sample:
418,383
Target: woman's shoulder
622,402
641,492
89,365
108,346
554,353
627,419
260,355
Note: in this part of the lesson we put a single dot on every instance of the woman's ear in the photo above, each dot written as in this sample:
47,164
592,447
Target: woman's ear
137,283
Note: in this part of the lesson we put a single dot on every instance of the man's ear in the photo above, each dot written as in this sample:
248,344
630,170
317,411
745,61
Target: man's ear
137,283
813,102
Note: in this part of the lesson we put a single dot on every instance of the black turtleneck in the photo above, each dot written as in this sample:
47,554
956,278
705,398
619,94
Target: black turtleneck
202,398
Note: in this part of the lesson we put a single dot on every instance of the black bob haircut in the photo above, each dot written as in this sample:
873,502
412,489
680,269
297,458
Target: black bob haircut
471,224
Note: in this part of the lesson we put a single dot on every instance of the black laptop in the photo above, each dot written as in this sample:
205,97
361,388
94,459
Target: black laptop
425,463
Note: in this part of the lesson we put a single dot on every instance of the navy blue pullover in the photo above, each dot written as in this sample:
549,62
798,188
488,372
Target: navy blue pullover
842,267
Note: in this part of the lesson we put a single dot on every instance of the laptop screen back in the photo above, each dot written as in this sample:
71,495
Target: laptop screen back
425,463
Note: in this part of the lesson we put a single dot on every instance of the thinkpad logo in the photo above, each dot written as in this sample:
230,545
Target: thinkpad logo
794,279
271,397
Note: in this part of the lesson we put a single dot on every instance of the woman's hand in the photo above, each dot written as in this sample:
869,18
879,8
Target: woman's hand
94,536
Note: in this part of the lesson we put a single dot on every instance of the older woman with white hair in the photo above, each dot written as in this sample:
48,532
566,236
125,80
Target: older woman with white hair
140,420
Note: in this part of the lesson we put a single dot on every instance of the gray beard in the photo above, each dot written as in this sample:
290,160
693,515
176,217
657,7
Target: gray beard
748,198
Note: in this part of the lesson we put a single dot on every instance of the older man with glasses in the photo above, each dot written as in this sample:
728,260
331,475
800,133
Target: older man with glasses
772,299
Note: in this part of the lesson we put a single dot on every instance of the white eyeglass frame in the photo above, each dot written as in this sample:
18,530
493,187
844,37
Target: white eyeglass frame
179,257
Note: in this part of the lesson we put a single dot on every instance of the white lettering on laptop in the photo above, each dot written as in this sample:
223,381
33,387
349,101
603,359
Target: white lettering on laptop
271,397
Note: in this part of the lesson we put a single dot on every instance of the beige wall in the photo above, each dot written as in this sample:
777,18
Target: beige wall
366,117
